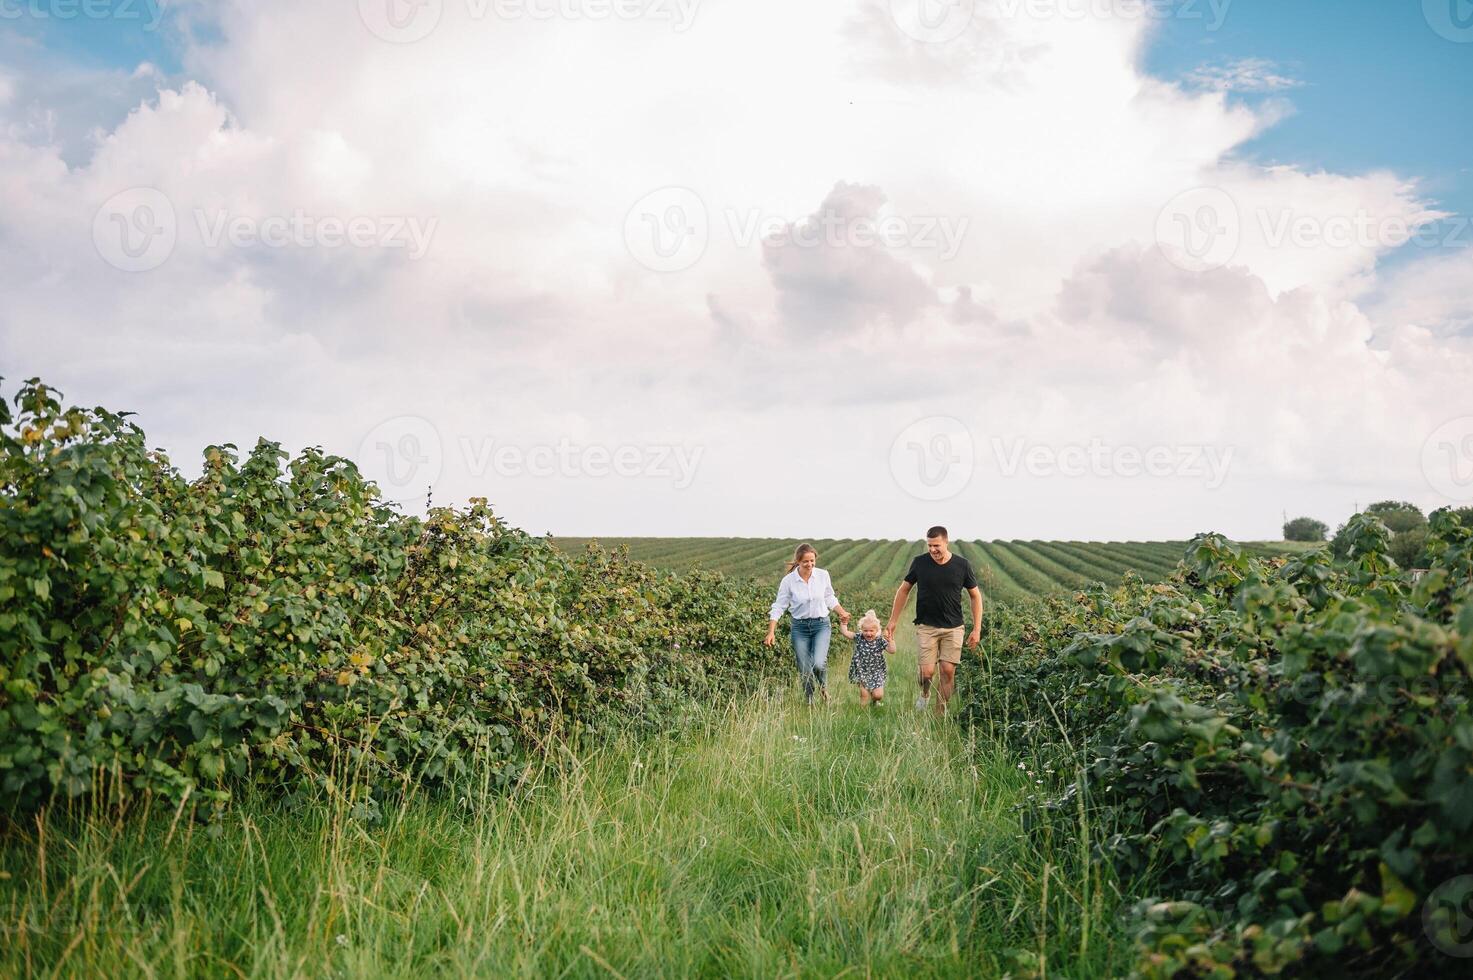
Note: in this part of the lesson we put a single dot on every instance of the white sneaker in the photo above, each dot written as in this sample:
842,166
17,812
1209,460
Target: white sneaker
921,703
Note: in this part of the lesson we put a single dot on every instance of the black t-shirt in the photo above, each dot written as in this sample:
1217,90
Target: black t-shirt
939,589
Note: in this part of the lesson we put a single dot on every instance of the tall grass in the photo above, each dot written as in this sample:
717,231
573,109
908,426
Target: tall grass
769,839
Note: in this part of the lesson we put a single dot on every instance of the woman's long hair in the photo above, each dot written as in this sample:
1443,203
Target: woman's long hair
803,549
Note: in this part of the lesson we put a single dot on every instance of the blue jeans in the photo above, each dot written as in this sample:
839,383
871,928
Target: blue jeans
811,650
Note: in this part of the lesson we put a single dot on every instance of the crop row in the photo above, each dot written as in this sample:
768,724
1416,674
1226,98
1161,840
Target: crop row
1007,570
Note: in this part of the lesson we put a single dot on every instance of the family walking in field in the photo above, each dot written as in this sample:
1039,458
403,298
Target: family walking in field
938,577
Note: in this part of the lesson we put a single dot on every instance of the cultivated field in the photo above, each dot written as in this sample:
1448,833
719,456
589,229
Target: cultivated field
1009,570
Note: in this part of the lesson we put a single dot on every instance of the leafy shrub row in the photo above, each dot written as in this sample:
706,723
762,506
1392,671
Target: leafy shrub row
272,615
1279,750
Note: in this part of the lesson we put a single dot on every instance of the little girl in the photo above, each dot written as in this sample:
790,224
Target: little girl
867,668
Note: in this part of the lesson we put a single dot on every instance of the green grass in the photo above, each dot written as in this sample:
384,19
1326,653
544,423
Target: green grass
769,840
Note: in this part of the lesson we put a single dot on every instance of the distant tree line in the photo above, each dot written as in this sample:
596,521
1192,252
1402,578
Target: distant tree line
1405,521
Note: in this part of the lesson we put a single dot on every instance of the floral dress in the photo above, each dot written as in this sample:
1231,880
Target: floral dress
867,667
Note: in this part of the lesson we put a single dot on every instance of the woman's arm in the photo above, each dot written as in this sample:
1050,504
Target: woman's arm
782,602
779,606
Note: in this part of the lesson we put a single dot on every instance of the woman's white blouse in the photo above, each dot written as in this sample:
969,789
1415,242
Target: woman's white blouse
805,600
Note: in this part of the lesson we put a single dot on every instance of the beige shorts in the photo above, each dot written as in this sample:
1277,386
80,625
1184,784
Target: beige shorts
939,644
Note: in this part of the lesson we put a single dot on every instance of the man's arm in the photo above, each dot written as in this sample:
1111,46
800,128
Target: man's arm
976,636
902,595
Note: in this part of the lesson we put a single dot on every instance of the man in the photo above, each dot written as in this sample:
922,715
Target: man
940,578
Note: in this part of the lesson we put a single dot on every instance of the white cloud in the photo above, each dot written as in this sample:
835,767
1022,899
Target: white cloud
791,369
1433,292
1256,75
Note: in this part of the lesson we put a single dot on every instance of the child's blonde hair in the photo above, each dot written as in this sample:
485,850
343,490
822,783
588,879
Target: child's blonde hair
869,617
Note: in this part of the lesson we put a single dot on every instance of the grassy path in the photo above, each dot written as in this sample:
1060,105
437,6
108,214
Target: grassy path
770,840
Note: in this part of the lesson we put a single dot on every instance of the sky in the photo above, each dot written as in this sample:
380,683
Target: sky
1060,269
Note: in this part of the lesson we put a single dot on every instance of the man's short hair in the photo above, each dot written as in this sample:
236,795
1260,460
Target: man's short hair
938,532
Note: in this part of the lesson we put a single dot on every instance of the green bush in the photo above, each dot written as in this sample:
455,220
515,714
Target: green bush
1409,548
1280,751
1305,529
1405,523
272,617
1398,515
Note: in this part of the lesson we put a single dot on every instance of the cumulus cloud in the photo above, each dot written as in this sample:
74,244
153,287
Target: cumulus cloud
1430,293
833,272
521,152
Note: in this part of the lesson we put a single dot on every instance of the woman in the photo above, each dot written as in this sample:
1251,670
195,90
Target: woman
807,592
